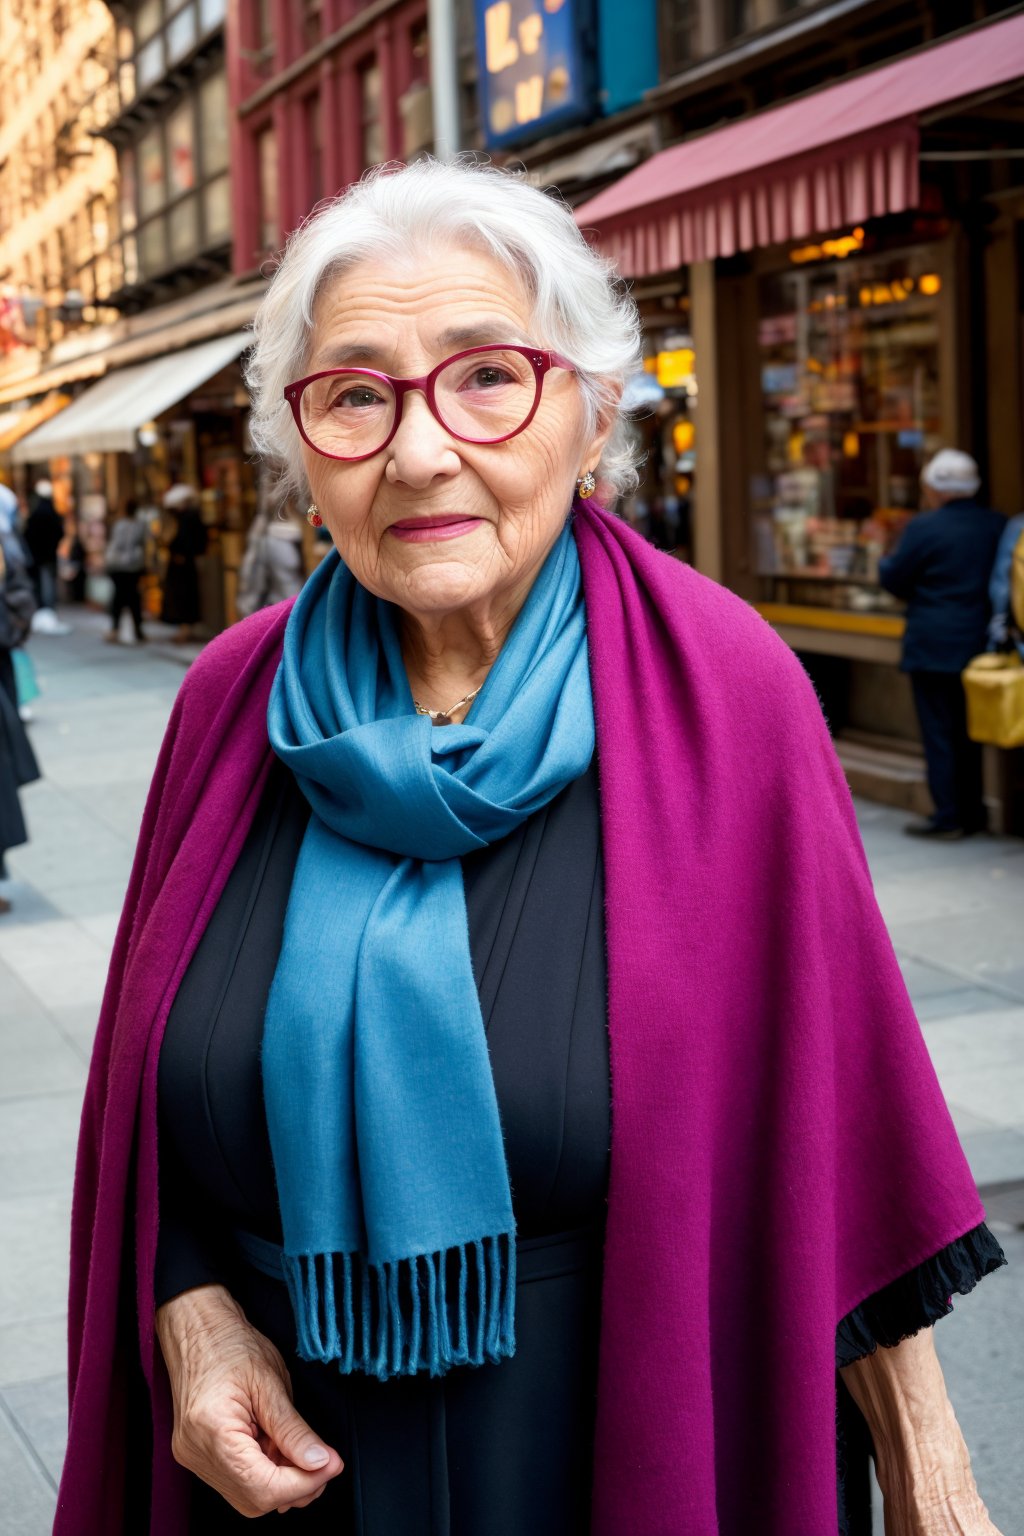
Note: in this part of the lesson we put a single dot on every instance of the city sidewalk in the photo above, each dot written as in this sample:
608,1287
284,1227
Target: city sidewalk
956,913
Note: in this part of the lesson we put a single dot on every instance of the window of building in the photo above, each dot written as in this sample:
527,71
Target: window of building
149,63
126,169
181,34
849,366
312,22
314,147
678,35
184,228
217,210
147,20
181,149
266,147
738,17
211,14
213,120
152,182
152,247
372,127
419,51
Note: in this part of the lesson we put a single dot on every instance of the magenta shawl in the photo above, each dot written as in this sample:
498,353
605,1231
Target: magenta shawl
780,1146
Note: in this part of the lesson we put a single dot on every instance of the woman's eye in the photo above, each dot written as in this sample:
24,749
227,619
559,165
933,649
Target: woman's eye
488,377
358,398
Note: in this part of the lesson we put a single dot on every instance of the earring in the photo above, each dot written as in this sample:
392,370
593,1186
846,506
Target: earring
586,485
313,517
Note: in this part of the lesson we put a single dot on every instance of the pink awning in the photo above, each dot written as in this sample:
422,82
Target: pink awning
835,158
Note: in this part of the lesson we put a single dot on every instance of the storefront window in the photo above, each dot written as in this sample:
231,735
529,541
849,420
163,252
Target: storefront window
661,407
213,116
849,367
181,149
152,183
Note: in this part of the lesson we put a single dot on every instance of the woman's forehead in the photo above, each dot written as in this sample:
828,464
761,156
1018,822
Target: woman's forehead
450,300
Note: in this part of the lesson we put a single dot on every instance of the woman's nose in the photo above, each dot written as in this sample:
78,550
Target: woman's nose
422,448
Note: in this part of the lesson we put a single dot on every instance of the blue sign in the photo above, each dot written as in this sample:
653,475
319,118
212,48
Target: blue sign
532,71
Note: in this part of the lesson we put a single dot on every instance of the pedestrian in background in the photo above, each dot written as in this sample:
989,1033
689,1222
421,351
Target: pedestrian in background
272,568
1006,589
18,765
941,568
378,822
125,562
187,543
44,530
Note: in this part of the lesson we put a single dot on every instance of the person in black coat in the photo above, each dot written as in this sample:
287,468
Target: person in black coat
942,567
44,529
181,605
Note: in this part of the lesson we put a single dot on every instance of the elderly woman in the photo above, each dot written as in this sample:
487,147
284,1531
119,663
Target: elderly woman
506,1113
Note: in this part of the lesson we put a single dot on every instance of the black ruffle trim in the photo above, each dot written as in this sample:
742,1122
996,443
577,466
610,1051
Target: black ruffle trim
919,1298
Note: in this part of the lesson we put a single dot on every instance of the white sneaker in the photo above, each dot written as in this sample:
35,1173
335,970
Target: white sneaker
46,622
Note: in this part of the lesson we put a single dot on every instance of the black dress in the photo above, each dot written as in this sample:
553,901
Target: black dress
495,1451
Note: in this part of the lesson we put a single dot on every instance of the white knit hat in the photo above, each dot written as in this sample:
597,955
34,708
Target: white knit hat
951,473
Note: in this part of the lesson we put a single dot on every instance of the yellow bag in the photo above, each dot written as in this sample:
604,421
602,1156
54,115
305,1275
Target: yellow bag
994,685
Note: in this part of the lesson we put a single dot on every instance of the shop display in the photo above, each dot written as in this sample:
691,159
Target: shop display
849,367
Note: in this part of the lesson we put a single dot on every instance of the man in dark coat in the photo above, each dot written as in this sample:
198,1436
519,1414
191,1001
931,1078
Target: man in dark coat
942,567
44,529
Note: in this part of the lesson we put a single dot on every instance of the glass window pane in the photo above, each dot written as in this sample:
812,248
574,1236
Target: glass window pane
152,184
147,19
152,247
850,382
181,148
213,117
211,14
268,189
126,167
217,211
184,224
149,63
373,128
181,34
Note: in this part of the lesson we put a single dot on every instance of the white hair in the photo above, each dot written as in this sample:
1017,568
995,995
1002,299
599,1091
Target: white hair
580,306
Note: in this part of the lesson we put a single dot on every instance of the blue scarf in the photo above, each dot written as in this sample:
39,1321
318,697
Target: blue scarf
399,1238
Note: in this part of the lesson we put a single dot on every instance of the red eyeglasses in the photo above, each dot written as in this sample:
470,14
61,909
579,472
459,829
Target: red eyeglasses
482,395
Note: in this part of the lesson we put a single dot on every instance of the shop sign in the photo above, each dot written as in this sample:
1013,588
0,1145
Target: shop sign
531,67
675,368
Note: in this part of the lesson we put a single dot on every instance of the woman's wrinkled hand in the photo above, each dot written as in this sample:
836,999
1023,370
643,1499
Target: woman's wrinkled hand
234,1422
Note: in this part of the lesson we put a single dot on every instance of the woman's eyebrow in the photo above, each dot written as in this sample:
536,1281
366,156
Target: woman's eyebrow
363,354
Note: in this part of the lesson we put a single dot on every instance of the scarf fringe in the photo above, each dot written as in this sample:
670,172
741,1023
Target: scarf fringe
395,1319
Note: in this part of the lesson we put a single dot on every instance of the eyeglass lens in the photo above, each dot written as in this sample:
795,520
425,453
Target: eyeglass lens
482,397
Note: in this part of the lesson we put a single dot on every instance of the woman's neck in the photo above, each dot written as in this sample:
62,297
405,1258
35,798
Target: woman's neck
448,655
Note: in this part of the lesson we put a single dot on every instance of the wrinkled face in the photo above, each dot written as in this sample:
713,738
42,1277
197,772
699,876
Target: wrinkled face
431,523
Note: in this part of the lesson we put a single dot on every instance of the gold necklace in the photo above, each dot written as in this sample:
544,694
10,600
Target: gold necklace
444,716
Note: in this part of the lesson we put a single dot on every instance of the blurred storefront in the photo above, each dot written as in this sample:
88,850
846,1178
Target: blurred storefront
850,268
177,418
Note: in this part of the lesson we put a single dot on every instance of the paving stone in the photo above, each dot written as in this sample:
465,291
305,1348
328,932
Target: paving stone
27,1499
38,1140
40,1410
34,1056
971,1042
964,1001
34,1347
34,1244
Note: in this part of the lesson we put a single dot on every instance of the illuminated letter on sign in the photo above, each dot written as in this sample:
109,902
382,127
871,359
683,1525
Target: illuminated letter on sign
501,46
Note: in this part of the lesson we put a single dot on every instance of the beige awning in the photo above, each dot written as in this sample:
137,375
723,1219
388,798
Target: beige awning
14,425
107,416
